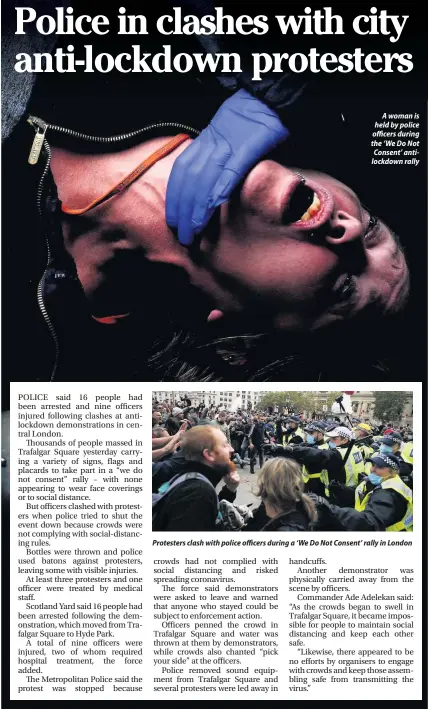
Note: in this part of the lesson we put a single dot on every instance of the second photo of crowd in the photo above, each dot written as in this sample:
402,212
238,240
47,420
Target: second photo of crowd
282,461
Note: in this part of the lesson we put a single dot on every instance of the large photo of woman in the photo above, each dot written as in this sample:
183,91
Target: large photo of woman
188,226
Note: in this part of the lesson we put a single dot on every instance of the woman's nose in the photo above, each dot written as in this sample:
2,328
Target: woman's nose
344,228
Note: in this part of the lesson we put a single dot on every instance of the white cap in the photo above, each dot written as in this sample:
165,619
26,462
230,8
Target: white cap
341,431
177,410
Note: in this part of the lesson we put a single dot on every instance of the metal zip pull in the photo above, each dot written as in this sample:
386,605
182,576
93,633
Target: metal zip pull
36,148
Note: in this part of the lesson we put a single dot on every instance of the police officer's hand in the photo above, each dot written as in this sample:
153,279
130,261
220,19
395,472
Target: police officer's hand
283,450
318,500
326,518
334,488
242,131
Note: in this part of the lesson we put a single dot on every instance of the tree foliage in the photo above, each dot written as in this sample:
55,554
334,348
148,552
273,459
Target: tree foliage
299,401
389,406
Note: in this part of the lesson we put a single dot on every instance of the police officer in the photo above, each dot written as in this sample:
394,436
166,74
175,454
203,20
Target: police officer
362,432
340,462
314,434
294,433
311,474
407,452
341,439
382,500
392,444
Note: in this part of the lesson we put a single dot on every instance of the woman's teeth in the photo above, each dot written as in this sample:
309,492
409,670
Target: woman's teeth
312,210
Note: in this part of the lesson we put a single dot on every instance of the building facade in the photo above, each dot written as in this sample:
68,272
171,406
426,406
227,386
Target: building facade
231,400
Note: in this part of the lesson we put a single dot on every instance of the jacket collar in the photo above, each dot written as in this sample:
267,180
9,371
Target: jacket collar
197,467
297,517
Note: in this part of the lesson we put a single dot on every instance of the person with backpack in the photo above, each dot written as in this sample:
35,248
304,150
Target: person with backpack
188,501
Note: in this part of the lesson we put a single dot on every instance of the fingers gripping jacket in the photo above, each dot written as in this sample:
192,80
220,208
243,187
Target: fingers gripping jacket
242,131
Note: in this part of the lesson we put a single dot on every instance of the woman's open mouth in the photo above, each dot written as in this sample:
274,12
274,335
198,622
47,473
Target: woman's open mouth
312,210
308,206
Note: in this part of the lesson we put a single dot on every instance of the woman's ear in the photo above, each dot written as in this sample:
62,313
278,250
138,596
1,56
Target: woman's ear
344,228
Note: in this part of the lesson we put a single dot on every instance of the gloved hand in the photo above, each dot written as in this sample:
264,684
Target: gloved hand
341,494
318,500
326,518
242,131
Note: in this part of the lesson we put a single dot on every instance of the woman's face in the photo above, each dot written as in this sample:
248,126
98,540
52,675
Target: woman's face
300,248
293,251
382,472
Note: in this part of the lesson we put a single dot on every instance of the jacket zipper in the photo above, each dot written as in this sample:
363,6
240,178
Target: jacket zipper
40,143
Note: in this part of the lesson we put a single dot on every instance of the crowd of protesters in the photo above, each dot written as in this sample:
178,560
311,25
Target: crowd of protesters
333,473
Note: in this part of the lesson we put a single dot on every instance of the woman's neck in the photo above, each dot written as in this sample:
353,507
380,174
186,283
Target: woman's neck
108,239
116,244
81,177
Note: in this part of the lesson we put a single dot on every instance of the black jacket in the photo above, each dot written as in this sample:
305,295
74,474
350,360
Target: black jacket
314,485
279,433
237,435
296,520
317,459
406,471
258,434
385,507
192,505
293,438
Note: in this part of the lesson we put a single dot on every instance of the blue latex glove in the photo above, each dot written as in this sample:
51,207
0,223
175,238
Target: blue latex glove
242,131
